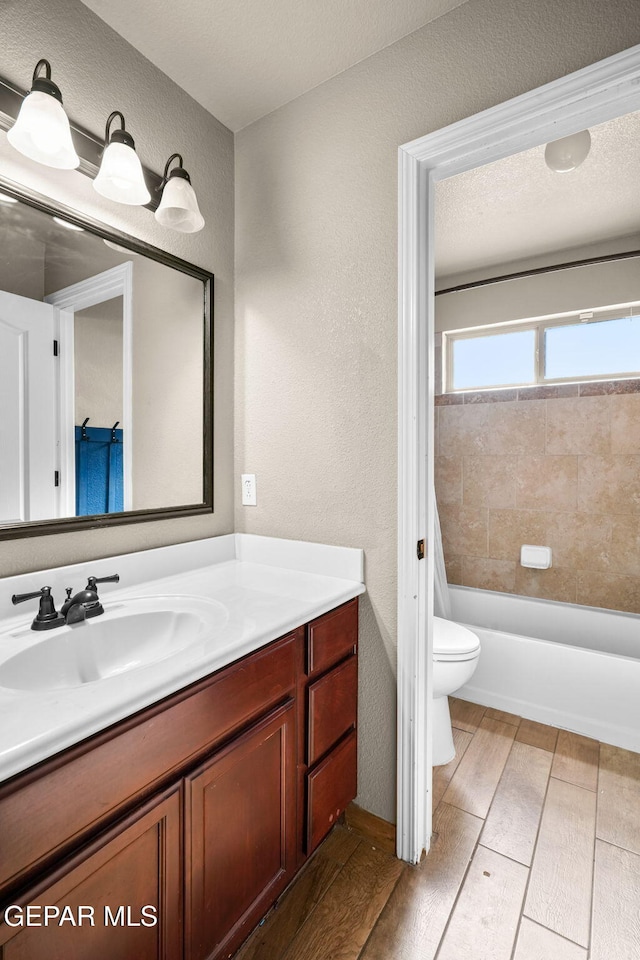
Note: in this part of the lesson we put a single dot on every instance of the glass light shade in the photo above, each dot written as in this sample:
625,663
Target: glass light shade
42,132
566,154
120,177
179,207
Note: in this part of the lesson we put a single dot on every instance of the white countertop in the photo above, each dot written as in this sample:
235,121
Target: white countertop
266,586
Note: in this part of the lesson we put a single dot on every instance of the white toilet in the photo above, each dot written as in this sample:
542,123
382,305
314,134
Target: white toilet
455,655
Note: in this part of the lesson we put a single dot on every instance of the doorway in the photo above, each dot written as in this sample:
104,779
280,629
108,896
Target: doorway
594,95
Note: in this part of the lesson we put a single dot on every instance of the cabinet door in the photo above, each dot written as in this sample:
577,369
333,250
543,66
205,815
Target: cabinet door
240,809
122,894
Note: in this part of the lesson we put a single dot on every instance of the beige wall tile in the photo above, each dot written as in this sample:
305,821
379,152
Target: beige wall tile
609,484
453,566
580,500
625,546
596,589
487,574
509,529
580,540
578,425
625,423
464,429
489,481
547,483
516,427
552,584
448,479
464,530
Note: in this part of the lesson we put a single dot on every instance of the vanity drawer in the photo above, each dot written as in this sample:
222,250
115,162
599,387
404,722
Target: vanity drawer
330,787
333,708
332,637
52,807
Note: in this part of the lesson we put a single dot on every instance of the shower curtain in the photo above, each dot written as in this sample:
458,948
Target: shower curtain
441,598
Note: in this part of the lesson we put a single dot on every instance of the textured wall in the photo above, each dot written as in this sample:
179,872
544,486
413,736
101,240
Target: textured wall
97,72
316,301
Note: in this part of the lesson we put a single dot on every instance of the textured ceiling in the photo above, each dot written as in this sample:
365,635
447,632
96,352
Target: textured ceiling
517,208
241,59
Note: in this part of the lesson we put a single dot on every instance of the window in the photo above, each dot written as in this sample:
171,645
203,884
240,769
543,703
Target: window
593,345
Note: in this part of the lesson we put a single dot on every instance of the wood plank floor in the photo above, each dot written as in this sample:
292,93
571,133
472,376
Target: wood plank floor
535,856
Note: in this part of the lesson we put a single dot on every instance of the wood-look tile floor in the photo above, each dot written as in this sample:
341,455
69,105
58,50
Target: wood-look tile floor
535,856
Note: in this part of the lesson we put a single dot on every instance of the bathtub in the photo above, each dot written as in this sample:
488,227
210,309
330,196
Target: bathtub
574,667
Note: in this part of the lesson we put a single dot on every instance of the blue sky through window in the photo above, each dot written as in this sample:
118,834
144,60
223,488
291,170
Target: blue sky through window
592,349
493,361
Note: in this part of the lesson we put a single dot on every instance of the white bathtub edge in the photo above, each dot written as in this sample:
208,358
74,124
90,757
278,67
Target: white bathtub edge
586,726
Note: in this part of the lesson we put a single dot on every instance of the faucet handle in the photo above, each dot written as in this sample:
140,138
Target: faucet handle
21,597
48,617
92,581
94,608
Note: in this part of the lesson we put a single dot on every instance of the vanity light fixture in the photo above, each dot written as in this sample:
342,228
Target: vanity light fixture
41,131
564,155
179,205
120,176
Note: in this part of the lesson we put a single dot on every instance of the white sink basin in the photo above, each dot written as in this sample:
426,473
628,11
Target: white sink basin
130,635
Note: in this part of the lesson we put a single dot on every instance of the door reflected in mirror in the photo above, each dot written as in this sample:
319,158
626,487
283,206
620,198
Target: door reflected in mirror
104,376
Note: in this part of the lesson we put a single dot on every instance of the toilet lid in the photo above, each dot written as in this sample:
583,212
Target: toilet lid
452,639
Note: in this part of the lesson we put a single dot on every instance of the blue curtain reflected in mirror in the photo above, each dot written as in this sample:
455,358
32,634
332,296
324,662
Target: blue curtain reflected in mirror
99,473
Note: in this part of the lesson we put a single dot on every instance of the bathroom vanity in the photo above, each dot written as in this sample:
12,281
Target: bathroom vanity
176,828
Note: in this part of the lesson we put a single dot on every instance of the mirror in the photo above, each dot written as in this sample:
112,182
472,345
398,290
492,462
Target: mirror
105,375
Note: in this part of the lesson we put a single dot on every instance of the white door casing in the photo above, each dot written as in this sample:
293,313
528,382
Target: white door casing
28,454
115,282
601,92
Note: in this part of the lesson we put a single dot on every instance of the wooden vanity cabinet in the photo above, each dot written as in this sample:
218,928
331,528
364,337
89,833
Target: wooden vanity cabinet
331,701
108,889
242,844
202,806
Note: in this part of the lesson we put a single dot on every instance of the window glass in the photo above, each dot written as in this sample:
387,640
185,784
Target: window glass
494,361
600,348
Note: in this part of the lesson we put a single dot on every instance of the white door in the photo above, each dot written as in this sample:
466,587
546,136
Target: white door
27,410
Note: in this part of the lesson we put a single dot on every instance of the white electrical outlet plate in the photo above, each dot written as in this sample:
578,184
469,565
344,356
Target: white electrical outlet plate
249,498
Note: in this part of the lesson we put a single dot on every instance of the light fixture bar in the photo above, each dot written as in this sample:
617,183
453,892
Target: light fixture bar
88,147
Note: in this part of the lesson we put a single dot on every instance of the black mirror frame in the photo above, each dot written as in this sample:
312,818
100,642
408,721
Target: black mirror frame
38,528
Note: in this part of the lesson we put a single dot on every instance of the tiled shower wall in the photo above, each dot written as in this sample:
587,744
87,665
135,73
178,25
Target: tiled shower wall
557,466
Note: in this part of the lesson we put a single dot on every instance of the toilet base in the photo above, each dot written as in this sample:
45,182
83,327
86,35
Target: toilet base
443,748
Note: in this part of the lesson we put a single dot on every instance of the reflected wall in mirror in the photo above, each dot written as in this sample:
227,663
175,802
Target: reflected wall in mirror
105,375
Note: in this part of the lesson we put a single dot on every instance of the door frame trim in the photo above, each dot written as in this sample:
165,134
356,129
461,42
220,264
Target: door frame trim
115,282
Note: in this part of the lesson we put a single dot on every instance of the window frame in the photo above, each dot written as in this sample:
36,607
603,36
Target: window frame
539,324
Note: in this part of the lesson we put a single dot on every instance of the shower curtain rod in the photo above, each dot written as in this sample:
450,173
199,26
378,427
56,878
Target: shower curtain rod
537,271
